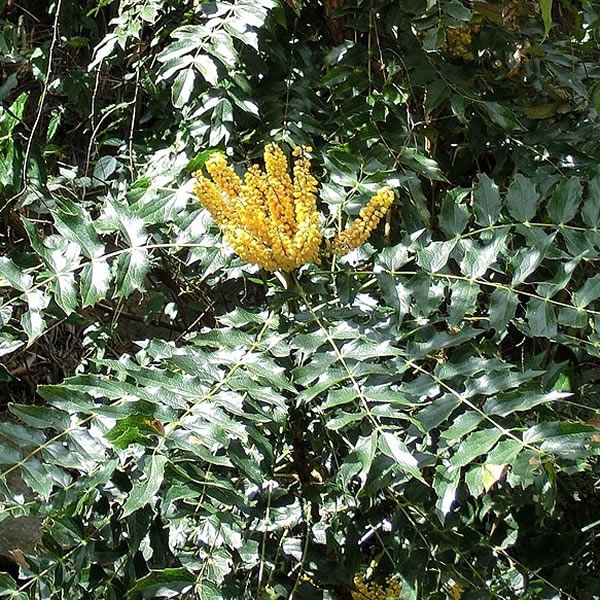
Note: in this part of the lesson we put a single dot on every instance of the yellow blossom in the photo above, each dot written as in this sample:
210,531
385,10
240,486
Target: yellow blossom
370,590
359,231
456,591
223,175
270,218
458,42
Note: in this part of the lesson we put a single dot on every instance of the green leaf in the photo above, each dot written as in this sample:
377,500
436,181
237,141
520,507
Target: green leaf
14,275
457,10
421,164
396,294
486,201
187,40
565,200
463,301
8,586
41,417
445,484
503,305
183,86
41,477
563,438
416,211
132,267
365,450
522,199
546,9
200,160
434,257
33,321
541,318
143,491
95,281
391,446
133,429
495,381
74,223
546,110
589,292
149,13
550,429
503,116
342,419
428,294
65,292
168,580
578,242
505,452
573,317
220,122
526,260
590,211
392,258
478,259
20,435
207,67
505,404
437,92
6,312
454,215
437,412
474,445
463,424
104,168
562,277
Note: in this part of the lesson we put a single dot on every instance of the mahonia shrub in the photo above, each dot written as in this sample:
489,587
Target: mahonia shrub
414,414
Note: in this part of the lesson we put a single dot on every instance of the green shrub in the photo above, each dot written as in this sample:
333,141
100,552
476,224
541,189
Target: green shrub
421,409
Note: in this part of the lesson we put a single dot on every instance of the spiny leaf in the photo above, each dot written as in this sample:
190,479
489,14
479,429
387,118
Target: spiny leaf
143,491
391,446
522,199
565,200
474,445
486,201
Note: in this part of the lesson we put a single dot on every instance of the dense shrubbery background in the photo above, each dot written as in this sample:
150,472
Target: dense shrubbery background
424,408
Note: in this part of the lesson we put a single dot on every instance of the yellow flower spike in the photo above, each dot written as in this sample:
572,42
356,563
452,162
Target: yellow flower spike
252,211
308,236
212,199
223,175
279,187
359,231
270,229
250,249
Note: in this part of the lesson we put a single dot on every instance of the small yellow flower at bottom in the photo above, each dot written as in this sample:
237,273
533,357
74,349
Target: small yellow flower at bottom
456,591
370,590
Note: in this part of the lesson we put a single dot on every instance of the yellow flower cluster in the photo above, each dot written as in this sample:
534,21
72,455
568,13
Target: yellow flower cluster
369,590
510,14
456,591
359,231
270,218
458,42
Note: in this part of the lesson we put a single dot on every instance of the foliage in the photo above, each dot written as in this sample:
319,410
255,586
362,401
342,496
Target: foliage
420,411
